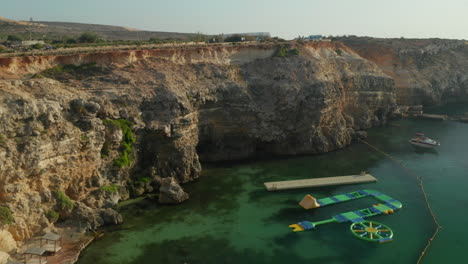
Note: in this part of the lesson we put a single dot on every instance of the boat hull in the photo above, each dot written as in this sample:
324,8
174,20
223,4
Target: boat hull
422,145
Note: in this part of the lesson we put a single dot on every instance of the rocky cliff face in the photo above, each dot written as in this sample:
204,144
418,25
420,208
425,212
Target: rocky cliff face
304,104
426,71
60,152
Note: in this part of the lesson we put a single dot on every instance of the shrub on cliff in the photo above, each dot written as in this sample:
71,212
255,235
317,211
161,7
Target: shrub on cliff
63,201
144,179
109,188
281,52
284,51
6,217
294,52
123,160
126,145
53,216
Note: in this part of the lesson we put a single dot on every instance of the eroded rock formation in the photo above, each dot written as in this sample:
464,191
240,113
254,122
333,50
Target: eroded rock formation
7,244
171,192
426,71
60,153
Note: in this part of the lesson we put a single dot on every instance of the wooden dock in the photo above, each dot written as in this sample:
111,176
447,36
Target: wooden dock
432,116
463,119
317,182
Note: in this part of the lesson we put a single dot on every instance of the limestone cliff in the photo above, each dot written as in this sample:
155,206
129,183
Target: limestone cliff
61,152
426,71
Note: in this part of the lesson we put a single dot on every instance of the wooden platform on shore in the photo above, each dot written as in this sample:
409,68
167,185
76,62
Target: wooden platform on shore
317,182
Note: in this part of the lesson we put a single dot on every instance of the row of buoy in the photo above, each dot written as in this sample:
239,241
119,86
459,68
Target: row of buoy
419,179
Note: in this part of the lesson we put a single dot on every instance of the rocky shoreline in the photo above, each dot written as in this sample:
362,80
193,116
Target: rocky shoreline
76,140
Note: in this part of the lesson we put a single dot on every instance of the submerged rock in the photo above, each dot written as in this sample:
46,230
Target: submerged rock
360,134
170,192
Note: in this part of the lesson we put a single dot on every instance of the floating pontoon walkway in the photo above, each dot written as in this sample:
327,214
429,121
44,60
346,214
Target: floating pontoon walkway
433,116
317,182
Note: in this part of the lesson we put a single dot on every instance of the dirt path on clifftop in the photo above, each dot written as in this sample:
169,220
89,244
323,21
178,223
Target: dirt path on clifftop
70,51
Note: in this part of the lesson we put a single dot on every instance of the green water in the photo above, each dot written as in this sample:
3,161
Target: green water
230,218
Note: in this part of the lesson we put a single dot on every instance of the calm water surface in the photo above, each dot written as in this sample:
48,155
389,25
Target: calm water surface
230,218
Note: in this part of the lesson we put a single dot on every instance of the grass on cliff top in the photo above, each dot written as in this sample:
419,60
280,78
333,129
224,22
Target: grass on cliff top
126,145
70,71
6,216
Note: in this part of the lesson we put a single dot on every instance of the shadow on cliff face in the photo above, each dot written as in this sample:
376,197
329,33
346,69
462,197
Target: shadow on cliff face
207,250
284,106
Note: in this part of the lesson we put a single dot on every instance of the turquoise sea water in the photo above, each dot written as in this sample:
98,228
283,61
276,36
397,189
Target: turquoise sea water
230,218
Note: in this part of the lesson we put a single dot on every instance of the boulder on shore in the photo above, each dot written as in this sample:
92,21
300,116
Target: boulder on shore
111,217
7,242
4,257
170,192
94,218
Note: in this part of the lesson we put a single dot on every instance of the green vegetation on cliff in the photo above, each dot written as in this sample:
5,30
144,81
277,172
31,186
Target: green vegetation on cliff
63,201
6,217
285,51
53,216
70,71
126,145
110,188
144,179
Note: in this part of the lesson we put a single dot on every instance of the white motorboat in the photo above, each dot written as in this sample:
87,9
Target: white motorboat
422,141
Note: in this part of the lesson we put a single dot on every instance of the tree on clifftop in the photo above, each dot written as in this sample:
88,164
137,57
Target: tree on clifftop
14,38
88,37
234,38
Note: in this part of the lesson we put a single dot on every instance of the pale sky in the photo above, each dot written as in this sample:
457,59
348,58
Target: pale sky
284,18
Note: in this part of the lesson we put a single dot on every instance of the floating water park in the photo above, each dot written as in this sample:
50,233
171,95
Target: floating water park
366,230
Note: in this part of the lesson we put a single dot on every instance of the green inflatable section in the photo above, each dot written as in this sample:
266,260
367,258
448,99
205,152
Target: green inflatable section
385,205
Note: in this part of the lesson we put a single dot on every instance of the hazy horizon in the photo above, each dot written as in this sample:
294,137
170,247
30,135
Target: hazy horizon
409,19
